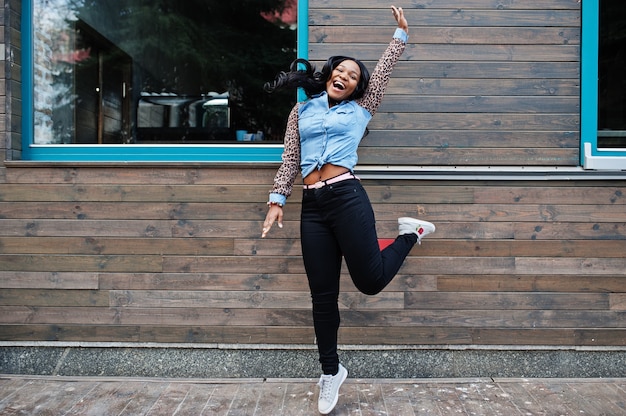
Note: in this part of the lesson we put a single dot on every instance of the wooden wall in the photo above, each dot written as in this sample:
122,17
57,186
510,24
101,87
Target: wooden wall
482,82
171,253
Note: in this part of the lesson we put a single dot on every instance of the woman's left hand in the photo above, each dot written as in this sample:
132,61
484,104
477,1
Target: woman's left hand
398,14
274,214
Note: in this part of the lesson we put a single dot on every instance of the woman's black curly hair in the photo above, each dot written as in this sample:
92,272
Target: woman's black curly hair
314,82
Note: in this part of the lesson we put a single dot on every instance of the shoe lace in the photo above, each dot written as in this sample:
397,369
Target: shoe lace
326,386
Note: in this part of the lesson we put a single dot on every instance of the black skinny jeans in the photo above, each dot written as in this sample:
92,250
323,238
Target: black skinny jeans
337,220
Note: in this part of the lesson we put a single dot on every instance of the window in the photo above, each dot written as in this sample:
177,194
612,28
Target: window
612,77
603,129
156,80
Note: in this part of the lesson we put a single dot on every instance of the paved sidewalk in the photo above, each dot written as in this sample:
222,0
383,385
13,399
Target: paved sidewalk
48,395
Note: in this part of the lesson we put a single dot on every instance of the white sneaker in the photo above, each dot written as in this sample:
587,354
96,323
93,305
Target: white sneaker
329,390
408,225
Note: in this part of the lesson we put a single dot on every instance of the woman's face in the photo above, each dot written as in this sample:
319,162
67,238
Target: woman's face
343,80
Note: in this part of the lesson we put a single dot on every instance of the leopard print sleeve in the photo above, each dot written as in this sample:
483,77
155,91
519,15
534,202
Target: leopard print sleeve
288,170
380,77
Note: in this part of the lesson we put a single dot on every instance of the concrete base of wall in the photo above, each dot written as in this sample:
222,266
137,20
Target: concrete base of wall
286,361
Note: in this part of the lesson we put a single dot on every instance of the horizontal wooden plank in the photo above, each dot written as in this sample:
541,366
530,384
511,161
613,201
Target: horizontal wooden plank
540,230
584,231
486,319
304,335
235,264
204,281
132,245
400,336
449,35
478,70
140,174
561,240
448,52
462,336
507,301
246,299
528,231
442,87
518,265
112,192
198,194
577,193
297,282
426,265
532,283
453,17
416,103
159,333
434,246
596,197
72,210
583,337
73,263
294,317
246,282
44,297
498,212
451,156
473,121
155,316
452,4
470,139
136,228
48,280
583,267
123,246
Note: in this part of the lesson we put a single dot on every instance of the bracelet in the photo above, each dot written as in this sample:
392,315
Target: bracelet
278,204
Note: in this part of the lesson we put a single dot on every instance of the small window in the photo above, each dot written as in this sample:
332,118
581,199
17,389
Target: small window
612,75
146,74
603,108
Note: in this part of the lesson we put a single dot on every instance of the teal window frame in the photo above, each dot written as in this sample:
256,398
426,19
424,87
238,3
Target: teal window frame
591,157
242,153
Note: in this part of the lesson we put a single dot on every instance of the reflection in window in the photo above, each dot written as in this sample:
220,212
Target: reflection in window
169,71
612,77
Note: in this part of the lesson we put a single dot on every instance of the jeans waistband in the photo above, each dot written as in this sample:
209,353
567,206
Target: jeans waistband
330,181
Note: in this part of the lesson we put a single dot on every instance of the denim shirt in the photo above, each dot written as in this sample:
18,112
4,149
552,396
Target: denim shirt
318,134
330,135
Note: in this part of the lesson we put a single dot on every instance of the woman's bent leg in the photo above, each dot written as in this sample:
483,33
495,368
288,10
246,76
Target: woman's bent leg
355,229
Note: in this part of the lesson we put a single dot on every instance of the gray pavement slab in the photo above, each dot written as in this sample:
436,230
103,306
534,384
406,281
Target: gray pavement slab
59,395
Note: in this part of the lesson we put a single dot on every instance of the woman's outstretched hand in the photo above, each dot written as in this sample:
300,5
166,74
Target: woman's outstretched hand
398,14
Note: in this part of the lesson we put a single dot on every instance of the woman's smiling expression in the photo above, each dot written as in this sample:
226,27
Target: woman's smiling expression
343,80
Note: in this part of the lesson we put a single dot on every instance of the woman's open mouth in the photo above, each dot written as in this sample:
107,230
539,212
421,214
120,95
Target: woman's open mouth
339,85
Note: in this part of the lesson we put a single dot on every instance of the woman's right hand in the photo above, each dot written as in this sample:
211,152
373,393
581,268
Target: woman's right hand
398,14
274,214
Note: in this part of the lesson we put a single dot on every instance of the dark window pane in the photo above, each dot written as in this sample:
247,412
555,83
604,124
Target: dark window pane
170,71
612,74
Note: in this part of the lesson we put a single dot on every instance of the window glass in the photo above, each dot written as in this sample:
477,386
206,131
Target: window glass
160,72
612,75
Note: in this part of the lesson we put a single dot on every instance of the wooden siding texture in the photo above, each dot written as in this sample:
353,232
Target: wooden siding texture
173,254
482,82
